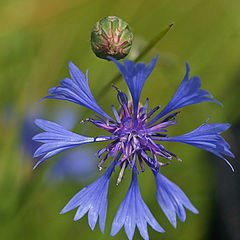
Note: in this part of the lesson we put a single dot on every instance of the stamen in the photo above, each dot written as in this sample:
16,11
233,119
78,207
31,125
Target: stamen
116,148
159,126
161,164
179,159
141,163
166,151
152,112
169,117
120,176
143,110
155,135
101,162
100,118
85,120
113,86
100,152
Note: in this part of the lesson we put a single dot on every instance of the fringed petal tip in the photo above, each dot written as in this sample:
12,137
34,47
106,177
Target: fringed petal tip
134,212
39,122
228,163
57,139
188,93
207,93
187,68
208,138
172,199
135,76
35,166
71,64
92,199
150,65
76,90
41,99
219,103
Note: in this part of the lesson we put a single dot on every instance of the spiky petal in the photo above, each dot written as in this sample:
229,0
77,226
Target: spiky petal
76,90
92,199
133,211
188,93
207,138
135,76
56,139
172,199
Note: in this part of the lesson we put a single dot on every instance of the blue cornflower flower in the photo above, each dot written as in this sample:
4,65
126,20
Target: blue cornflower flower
132,136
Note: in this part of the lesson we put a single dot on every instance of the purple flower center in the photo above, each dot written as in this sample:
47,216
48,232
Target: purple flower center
133,136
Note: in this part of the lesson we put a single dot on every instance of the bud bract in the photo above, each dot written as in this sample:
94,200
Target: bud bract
111,36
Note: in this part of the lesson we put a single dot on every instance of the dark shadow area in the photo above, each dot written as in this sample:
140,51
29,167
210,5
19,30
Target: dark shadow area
225,223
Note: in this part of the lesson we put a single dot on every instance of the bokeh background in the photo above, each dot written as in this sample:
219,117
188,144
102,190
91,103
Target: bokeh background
39,37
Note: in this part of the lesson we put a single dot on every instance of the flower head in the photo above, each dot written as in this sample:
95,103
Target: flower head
133,137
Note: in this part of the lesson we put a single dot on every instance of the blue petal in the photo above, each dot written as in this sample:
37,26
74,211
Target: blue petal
207,137
171,199
133,211
135,77
76,90
57,139
188,93
92,199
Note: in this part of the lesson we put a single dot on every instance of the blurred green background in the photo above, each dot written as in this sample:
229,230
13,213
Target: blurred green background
38,38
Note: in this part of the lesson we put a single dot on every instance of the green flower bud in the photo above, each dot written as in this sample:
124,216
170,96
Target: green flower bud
111,36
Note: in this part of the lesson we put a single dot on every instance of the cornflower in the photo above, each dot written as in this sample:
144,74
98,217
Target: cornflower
136,140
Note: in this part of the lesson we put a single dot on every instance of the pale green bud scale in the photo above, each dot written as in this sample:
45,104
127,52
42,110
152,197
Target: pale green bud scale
111,36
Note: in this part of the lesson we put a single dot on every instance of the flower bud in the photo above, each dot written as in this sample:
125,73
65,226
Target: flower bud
111,36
